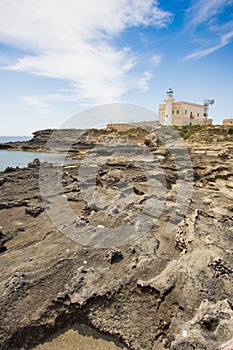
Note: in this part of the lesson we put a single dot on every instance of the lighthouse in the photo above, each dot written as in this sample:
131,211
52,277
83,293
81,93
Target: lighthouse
168,107
178,113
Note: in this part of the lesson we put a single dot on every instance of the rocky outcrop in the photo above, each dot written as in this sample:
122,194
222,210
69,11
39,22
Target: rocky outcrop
57,140
211,325
163,289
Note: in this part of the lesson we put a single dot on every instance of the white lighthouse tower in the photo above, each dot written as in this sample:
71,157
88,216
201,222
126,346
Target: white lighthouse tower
168,107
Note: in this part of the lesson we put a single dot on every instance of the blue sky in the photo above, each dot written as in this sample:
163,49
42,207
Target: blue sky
59,57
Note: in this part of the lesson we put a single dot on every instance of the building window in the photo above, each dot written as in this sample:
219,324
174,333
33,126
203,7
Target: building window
173,111
185,112
177,112
198,114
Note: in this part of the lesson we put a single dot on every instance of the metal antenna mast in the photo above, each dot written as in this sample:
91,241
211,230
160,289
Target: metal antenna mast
206,104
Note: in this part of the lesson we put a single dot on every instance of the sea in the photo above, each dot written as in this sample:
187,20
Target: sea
21,159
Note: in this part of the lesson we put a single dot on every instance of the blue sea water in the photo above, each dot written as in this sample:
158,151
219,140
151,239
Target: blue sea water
21,159
4,139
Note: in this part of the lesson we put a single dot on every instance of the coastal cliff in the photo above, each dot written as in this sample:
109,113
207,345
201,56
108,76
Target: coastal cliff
162,290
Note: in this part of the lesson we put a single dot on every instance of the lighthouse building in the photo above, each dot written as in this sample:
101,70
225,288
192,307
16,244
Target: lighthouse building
179,113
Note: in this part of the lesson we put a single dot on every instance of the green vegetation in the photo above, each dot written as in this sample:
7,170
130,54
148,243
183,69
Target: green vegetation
193,127
137,131
207,132
188,130
186,134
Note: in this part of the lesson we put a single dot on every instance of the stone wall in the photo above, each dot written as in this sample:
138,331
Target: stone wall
183,113
127,126
207,122
182,120
228,122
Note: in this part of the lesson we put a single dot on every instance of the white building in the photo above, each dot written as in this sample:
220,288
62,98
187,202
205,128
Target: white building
227,122
181,113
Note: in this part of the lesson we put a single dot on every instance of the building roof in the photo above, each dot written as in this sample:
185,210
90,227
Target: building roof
189,103
184,102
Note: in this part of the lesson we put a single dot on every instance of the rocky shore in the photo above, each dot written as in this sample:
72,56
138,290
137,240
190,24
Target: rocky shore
162,290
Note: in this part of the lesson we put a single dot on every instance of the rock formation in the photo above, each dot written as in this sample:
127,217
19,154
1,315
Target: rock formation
165,289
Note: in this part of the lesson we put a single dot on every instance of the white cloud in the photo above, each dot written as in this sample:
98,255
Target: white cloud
143,82
225,40
156,59
202,11
41,102
4,59
215,33
72,40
